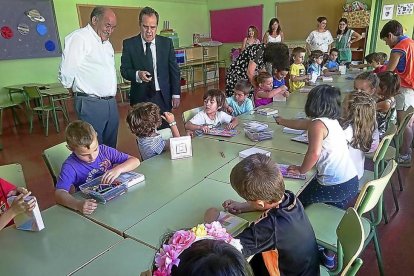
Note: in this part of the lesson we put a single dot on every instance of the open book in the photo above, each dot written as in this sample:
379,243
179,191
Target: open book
286,174
103,192
233,224
29,221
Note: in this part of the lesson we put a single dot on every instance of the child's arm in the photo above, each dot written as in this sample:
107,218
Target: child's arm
170,119
86,206
316,133
227,108
383,106
18,206
110,175
299,78
267,95
233,123
190,126
293,123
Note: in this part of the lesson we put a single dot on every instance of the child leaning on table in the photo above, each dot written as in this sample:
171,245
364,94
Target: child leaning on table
265,92
336,182
211,116
240,103
18,206
88,161
283,226
297,72
143,120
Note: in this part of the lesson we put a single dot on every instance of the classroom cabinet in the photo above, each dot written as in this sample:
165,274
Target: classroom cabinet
198,65
358,48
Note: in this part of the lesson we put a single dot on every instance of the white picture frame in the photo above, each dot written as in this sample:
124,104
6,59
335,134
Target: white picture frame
387,12
180,147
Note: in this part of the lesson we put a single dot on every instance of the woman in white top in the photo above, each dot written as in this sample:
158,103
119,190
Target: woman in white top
274,33
321,38
345,37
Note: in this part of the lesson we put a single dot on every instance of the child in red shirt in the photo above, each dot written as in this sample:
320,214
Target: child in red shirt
19,205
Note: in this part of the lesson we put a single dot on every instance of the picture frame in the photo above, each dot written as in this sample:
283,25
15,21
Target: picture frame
180,147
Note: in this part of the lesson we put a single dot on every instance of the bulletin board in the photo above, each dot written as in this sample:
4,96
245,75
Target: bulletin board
298,18
230,25
126,25
28,30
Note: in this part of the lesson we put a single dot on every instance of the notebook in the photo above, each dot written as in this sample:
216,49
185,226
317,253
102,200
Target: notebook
289,130
233,224
28,221
301,138
266,111
248,152
286,174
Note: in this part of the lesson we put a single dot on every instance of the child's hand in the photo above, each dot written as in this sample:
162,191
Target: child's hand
229,110
19,205
88,206
190,133
205,129
169,117
286,94
278,119
230,125
233,207
293,169
110,175
212,214
284,88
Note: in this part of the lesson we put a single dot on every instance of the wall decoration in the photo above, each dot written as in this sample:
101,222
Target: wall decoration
404,9
387,12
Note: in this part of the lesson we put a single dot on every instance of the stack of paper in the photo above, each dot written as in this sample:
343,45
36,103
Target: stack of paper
289,130
279,98
327,79
267,111
255,126
248,152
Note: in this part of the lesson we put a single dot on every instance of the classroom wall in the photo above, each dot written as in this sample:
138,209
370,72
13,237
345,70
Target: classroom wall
406,20
185,16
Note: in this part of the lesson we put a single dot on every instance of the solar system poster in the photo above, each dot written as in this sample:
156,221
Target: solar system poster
28,29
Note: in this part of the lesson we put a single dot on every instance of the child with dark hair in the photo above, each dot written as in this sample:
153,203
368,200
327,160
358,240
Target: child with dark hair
336,182
88,160
239,103
367,82
204,250
331,66
389,84
376,61
143,120
265,92
297,69
283,227
315,61
212,116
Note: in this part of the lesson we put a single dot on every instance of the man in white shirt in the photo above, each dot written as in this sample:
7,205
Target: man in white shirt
88,70
149,62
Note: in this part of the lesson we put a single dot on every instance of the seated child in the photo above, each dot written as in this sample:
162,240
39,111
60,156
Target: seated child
358,122
143,120
280,71
211,116
206,249
297,69
315,61
331,67
284,225
239,103
18,206
389,85
88,161
376,61
265,92
367,82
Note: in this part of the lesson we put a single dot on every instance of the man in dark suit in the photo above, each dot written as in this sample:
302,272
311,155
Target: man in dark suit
149,62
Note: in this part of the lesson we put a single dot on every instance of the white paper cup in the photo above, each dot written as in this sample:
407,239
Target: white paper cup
342,69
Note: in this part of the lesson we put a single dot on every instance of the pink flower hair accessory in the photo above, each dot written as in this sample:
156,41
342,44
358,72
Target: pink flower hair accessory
167,256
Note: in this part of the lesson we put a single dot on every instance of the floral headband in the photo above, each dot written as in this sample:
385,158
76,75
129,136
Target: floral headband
168,254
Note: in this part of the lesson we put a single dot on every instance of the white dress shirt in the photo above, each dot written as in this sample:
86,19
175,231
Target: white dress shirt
88,64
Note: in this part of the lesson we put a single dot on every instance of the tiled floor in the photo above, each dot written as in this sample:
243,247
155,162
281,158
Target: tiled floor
397,239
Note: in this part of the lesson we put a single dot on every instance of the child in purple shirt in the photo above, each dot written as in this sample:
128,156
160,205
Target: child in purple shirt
88,161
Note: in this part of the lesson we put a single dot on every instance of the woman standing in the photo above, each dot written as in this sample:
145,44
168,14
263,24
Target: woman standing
274,32
321,38
251,37
345,37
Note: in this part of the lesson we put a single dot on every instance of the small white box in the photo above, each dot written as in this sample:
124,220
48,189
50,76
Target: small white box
327,79
248,152
180,147
28,221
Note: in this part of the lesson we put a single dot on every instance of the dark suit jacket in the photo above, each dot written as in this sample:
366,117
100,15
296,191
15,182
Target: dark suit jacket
133,59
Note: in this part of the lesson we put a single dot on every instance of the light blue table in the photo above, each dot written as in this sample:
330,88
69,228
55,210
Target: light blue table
68,242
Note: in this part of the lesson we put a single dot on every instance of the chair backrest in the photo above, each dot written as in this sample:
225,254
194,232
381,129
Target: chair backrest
187,115
350,233
54,158
371,192
401,127
33,93
385,142
13,173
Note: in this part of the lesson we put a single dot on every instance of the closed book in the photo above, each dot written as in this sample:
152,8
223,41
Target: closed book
233,224
28,221
266,111
284,171
248,152
279,98
222,132
255,126
301,138
289,130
